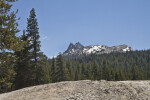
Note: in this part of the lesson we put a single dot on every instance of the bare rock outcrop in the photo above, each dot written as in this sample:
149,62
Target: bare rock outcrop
83,90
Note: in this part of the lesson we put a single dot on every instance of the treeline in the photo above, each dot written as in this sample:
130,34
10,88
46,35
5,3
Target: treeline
134,65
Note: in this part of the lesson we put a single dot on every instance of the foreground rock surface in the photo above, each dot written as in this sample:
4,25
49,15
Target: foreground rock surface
84,90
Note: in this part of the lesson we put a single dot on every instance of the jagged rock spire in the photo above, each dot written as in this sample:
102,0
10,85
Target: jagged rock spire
78,45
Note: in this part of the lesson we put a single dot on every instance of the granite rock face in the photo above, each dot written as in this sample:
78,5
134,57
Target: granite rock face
84,90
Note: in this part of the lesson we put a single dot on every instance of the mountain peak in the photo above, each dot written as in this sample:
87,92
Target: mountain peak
78,45
71,45
79,50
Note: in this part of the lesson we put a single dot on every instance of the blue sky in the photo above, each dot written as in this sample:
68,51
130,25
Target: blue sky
90,22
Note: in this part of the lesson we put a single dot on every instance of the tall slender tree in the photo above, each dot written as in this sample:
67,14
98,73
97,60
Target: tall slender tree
53,70
95,70
105,70
34,43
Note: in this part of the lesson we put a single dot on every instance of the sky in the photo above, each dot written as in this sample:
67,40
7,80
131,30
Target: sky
90,22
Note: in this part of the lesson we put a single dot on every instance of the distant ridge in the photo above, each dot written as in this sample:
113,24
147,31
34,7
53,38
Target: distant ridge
76,50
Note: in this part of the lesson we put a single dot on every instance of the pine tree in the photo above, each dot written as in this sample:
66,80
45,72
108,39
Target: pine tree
22,65
34,43
61,71
8,44
76,75
105,70
83,72
53,70
43,69
70,70
94,70
78,70
32,67
134,71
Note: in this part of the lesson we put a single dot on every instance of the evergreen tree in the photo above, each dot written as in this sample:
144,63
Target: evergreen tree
34,43
32,67
88,71
78,71
53,70
134,72
70,70
22,65
43,70
76,76
61,71
112,76
105,70
94,70
8,44
83,72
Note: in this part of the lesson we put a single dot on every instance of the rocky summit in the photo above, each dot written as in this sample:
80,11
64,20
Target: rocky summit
83,90
76,50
